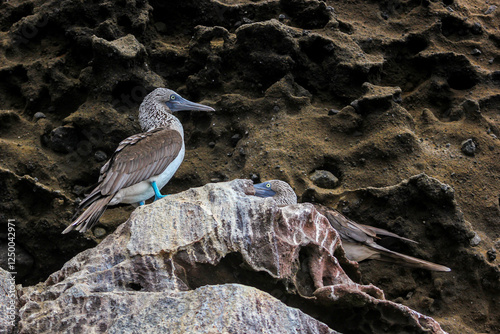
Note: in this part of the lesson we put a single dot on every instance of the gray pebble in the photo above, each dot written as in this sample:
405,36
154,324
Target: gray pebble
99,232
492,255
475,240
469,147
63,139
211,144
476,52
39,115
324,179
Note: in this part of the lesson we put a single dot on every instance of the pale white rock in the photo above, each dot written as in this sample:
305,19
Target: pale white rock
197,262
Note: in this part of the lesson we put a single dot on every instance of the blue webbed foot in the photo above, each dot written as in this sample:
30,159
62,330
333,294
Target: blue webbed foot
141,203
158,195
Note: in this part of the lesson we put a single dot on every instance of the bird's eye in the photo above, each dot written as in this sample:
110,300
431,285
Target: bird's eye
172,97
268,185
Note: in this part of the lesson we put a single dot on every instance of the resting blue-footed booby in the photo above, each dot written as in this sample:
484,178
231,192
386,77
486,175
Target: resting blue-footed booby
358,240
143,163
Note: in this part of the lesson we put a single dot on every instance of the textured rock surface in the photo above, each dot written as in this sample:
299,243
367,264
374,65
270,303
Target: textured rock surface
146,276
229,308
424,76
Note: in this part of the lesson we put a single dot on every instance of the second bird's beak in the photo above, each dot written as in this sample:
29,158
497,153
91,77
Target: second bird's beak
262,191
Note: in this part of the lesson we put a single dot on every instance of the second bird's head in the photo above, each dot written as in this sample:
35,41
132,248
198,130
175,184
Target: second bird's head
279,190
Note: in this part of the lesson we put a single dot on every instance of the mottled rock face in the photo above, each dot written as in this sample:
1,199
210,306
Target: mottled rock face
276,72
175,266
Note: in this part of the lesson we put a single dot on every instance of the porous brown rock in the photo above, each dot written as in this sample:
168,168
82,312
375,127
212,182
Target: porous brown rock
177,265
272,70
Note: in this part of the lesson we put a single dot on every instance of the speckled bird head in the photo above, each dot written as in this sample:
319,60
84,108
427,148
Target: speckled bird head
157,108
279,190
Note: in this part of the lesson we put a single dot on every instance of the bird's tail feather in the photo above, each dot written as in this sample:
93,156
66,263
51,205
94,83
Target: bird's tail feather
90,216
380,231
387,255
91,198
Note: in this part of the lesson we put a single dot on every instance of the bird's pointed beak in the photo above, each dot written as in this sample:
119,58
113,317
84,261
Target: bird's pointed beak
262,191
182,104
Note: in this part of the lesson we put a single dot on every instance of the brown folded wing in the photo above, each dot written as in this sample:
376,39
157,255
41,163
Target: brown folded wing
138,158
347,229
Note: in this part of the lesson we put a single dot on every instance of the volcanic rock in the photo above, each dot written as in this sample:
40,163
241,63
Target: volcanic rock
176,265
271,81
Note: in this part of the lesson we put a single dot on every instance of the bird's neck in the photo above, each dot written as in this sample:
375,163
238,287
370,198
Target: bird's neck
155,115
286,197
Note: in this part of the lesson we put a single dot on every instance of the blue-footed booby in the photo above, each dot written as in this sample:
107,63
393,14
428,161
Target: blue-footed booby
358,240
143,163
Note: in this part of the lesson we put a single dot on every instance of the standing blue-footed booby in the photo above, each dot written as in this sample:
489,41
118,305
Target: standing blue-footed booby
358,240
143,163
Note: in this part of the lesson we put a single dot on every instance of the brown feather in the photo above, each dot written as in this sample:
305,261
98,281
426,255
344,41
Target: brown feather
136,159
90,216
360,245
358,240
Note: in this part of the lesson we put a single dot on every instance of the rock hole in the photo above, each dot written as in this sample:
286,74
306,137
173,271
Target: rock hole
453,26
495,76
304,278
462,79
10,87
317,48
307,15
124,21
135,286
330,164
42,102
70,101
417,44
104,11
